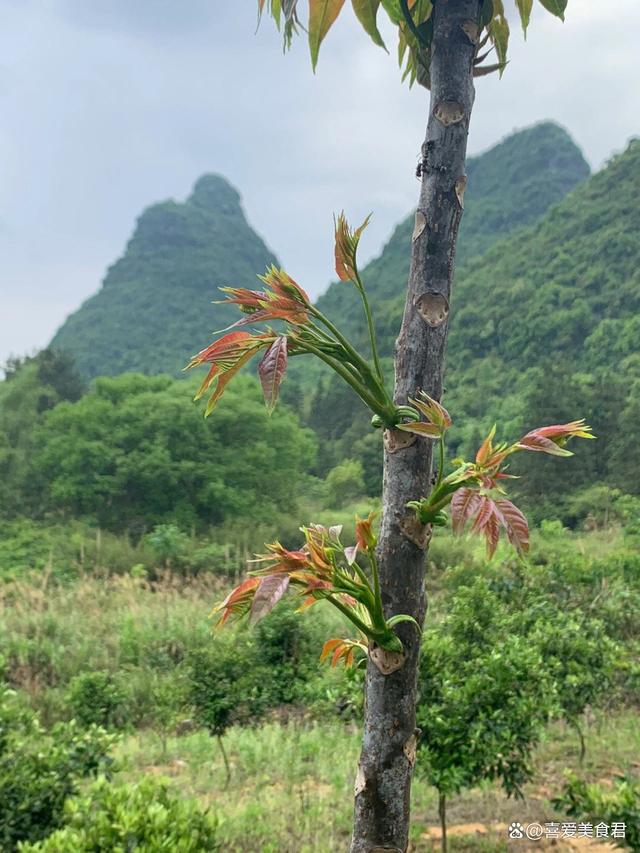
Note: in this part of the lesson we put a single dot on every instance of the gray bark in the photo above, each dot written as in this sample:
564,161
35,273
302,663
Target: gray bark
386,763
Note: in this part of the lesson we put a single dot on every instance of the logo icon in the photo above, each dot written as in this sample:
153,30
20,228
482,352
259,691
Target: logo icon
516,830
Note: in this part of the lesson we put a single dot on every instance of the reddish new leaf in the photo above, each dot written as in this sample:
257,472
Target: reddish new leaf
339,648
248,300
224,380
238,602
226,356
515,523
434,412
492,533
464,505
329,646
267,595
487,523
486,448
283,286
551,439
272,369
283,560
365,537
421,428
346,248
228,346
489,456
337,654
483,514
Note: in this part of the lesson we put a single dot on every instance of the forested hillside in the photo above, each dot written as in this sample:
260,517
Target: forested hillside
544,326
512,184
563,261
153,310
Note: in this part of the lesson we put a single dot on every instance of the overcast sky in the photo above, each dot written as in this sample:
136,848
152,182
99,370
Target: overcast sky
107,106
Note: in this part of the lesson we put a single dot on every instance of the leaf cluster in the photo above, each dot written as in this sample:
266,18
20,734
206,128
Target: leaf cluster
145,816
413,22
39,770
600,804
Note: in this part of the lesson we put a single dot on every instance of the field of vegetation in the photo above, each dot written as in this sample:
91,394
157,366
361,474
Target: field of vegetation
117,694
127,723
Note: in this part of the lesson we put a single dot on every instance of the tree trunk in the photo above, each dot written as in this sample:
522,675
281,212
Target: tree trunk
383,782
583,745
442,812
227,766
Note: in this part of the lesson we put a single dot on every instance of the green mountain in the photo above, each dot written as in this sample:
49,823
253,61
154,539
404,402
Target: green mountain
153,310
511,185
545,328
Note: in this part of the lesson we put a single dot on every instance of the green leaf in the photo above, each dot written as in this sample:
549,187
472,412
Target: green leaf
366,12
392,8
275,10
483,70
421,12
486,12
556,7
498,29
289,8
322,14
524,7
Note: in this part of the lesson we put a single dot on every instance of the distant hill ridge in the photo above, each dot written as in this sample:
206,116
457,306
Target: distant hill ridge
511,185
544,328
154,306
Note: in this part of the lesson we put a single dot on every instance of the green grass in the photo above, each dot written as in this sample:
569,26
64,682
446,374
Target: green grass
291,784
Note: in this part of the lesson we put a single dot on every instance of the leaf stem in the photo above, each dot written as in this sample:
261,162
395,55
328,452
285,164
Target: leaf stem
362,392
358,360
355,620
441,468
371,327
363,578
406,14
379,611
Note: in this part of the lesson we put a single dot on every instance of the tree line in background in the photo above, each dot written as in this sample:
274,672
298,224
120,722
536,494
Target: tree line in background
133,452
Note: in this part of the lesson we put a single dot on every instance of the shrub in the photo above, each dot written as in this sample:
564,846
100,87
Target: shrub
485,696
596,803
145,817
595,508
95,698
134,453
169,544
345,483
580,659
39,771
237,679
